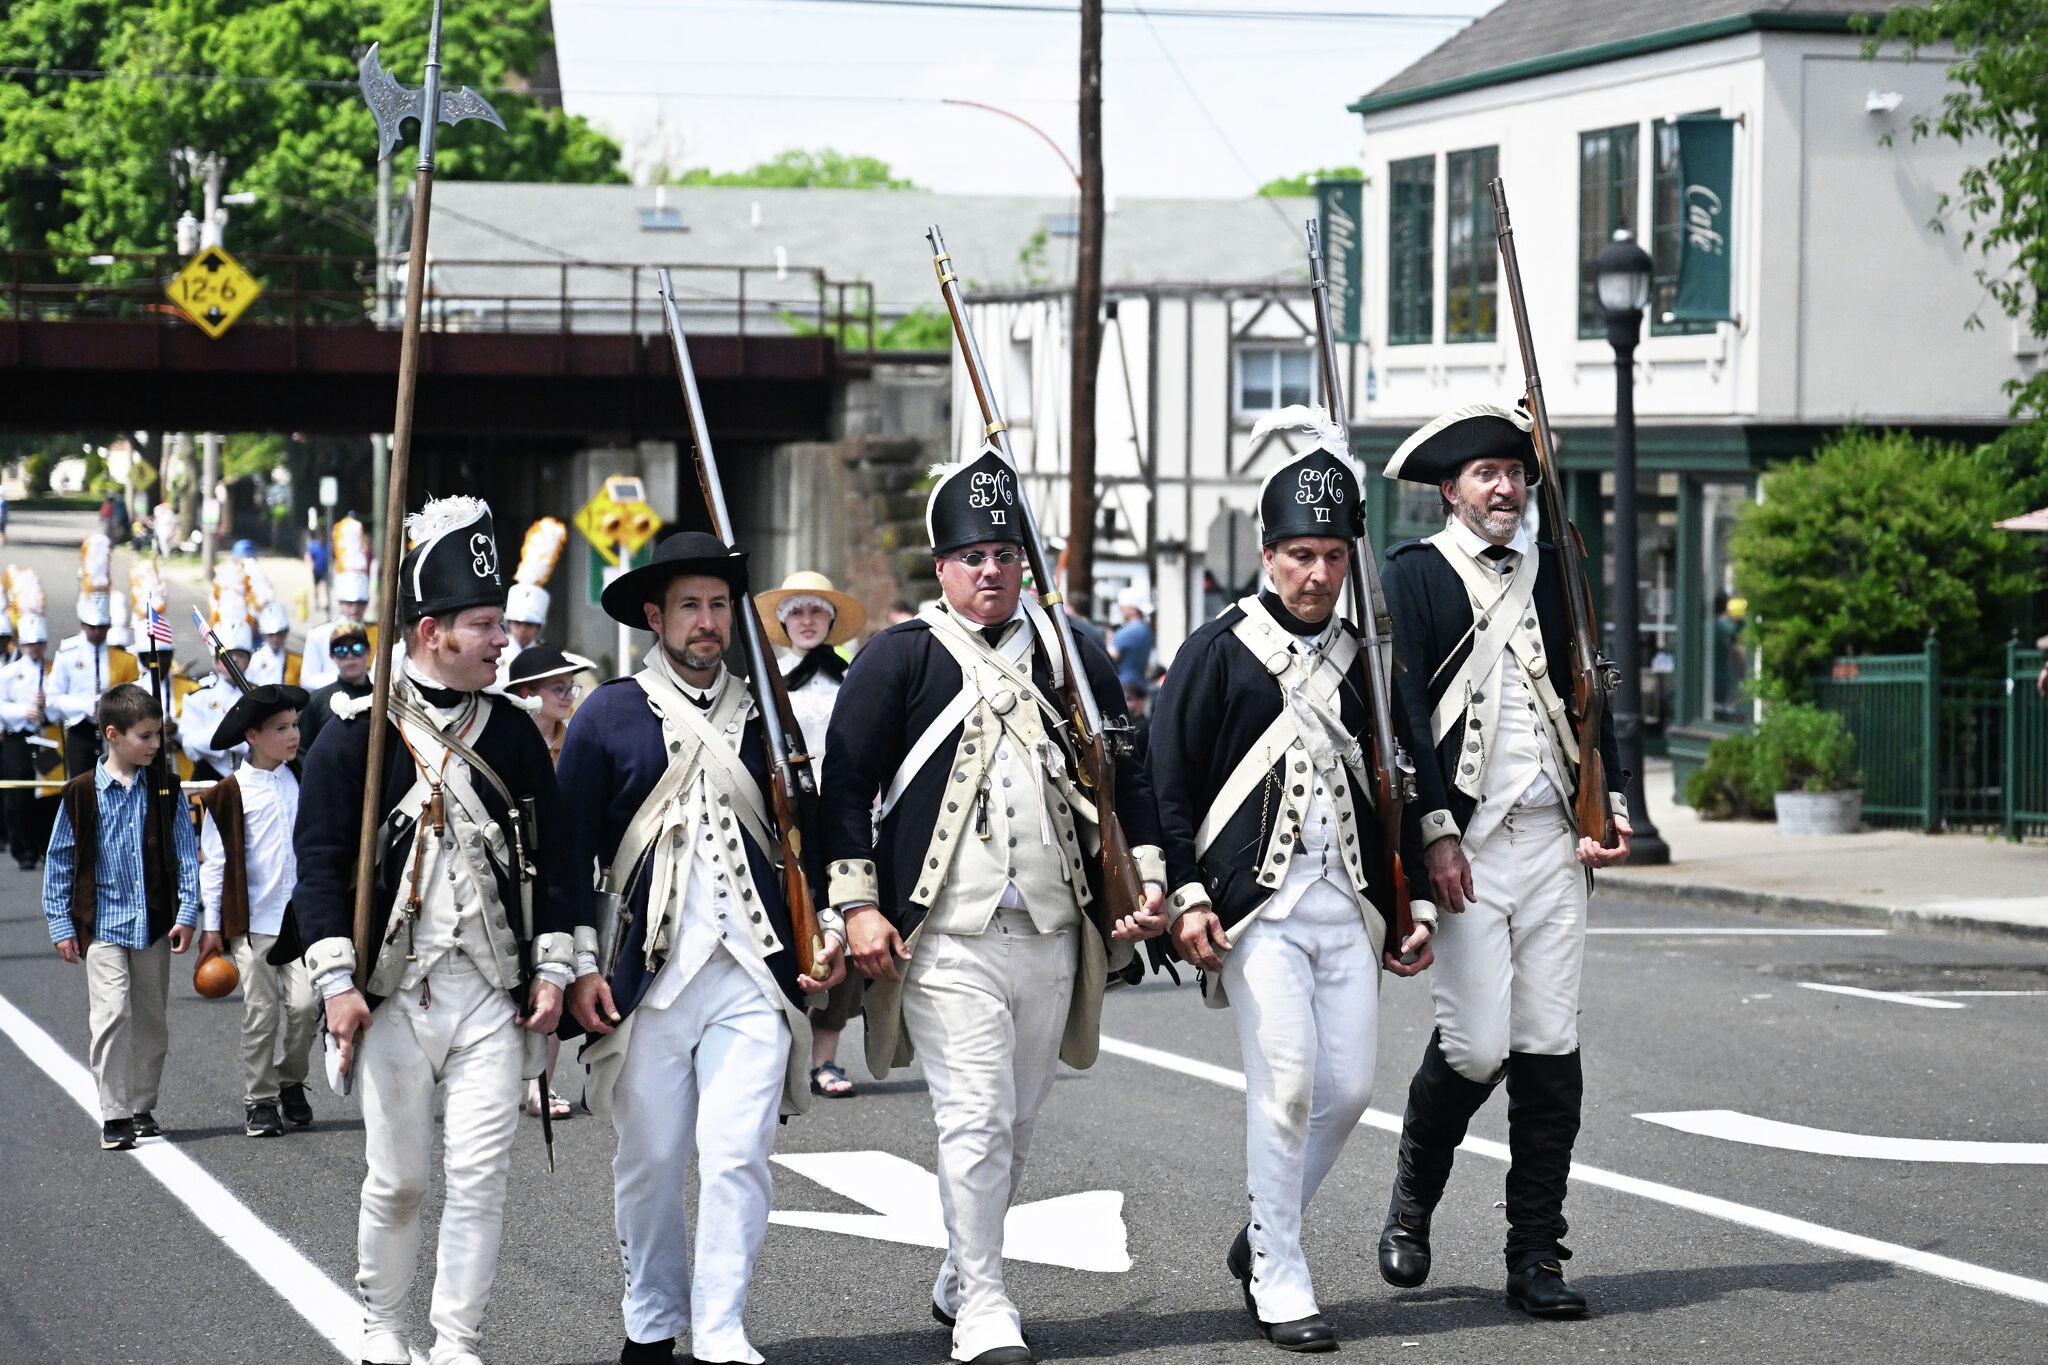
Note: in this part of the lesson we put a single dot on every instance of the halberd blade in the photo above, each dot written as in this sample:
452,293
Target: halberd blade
457,105
390,103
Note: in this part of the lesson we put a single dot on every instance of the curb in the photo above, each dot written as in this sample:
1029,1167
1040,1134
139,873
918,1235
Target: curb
1927,921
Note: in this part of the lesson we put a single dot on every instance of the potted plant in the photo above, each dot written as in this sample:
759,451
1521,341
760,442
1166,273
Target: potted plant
1806,760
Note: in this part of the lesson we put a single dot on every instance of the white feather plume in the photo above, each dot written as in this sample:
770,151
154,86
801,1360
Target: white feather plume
351,547
442,515
1315,420
25,589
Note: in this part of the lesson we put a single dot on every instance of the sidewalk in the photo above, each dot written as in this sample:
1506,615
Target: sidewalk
1905,880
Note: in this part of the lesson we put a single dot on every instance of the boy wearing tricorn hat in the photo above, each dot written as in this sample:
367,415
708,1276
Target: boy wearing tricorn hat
688,982
469,929
1479,616
1272,845
966,892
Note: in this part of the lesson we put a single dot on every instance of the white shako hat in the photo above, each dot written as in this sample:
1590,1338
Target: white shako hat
32,629
1477,431
271,618
95,581
1315,493
974,502
525,602
453,562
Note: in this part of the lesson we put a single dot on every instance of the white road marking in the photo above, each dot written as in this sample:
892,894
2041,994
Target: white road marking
1746,932
334,1312
1889,997
1794,1229
1734,1126
1079,1231
1975,993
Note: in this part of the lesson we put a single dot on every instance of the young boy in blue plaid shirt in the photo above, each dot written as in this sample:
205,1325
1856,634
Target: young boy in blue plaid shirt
139,906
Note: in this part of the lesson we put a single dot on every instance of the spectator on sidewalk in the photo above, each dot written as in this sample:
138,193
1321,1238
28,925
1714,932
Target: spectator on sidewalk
316,565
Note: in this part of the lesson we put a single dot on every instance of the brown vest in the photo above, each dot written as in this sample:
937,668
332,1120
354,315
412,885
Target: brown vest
159,880
224,803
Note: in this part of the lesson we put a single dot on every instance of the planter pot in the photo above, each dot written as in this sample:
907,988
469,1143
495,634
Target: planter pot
1819,812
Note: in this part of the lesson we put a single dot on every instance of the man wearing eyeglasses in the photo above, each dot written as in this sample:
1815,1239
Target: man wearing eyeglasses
1479,616
965,891
348,651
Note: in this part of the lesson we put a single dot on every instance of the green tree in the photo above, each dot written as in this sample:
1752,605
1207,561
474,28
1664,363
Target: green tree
1997,98
270,86
1877,540
798,169
1303,185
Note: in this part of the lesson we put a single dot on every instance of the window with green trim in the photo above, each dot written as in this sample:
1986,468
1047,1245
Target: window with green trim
1411,239
1667,232
1607,201
1471,260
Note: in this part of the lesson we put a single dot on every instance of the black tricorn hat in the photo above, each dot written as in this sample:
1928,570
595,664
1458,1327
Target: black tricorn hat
685,552
1477,431
974,502
543,661
453,563
256,705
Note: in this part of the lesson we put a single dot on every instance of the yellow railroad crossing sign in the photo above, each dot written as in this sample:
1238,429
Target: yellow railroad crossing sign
213,289
618,519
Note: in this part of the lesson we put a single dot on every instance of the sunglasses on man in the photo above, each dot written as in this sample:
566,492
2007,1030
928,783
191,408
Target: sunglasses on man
349,649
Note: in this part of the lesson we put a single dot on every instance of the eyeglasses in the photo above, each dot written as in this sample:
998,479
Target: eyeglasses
974,559
563,691
1516,474
349,649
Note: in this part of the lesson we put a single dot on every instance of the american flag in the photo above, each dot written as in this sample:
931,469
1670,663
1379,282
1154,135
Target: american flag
159,628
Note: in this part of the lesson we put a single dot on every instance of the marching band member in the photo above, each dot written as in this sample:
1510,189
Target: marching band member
86,665
526,605
351,603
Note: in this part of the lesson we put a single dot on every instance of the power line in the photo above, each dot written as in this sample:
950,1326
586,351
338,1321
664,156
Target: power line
1131,12
1203,106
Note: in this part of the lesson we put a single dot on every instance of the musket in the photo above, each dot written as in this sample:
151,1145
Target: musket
1096,746
790,768
391,104
1593,676
166,792
1392,770
220,654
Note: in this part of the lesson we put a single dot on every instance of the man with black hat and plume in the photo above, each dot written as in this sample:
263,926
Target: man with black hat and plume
686,967
1272,844
470,929
1479,614
967,891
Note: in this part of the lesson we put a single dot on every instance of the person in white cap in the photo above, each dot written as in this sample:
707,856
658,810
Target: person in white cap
1130,646
85,667
203,710
272,662
526,601
24,700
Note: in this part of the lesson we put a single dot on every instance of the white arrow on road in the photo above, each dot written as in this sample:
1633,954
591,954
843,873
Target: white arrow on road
1079,1231
1733,1126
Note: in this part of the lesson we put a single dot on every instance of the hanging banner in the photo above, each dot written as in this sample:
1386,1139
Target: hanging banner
1340,208
1706,178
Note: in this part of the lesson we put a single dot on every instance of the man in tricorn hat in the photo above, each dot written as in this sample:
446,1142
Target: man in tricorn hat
1273,844
966,892
1479,616
688,980
469,929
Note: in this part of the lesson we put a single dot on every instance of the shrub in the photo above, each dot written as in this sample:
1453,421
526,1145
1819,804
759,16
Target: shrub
1719,789
1801,748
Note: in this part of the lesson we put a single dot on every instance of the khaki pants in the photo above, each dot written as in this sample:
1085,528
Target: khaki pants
274,1000
128,990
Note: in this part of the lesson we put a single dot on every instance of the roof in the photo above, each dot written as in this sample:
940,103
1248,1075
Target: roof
1523,38
873,235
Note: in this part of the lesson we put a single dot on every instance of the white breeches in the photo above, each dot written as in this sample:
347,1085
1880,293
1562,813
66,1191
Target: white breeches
1507,970
985,1013
703,1073
1305,992
456,1030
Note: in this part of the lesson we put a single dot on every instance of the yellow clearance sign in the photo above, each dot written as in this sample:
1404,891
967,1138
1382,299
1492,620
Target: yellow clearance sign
213,290
618,521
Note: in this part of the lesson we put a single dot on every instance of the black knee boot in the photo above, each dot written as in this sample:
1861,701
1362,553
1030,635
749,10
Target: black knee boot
1441,1104
1544,1094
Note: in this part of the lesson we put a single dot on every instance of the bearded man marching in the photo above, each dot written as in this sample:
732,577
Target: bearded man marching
470,926
1479,614
686,964
975,871
1273,848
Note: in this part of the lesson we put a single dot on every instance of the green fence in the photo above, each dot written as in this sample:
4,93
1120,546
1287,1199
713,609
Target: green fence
1946,753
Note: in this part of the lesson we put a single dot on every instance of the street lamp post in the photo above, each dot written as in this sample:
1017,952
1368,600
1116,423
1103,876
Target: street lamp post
1622,273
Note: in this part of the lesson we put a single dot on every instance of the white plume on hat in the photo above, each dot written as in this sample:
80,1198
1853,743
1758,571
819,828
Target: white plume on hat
1315,420
24,591
95,565
261,594
540,551
442,515
351,547
146,586
230,597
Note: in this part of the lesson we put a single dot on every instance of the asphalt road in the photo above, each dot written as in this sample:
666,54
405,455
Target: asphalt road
108,1258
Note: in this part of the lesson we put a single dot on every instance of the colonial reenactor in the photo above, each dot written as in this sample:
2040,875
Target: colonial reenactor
688,981
810,619
468,928
85,665
1273,846
24,711
967,891
351,602
526,605
1479,617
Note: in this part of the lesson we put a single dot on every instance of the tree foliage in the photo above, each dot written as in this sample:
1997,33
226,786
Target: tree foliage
1997,96
1876,541
270,86
798,169
1303,185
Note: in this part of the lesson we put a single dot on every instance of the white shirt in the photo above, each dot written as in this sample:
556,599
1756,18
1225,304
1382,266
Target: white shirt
1521,769
270,807
266,666
199,715
812,704
78,675
18,684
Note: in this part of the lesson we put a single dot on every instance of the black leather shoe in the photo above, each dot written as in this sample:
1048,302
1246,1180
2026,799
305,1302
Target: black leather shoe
146,1126
1238,1261
1004,1355
661,1352
941,1316
261,1121
1404,1248
1540,1291
292,1100
117,1135
1303,1334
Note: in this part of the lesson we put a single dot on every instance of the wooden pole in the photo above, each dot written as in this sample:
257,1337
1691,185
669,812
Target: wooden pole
1087,326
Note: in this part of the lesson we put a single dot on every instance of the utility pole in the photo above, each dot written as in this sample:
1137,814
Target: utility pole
1087,325
210,510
